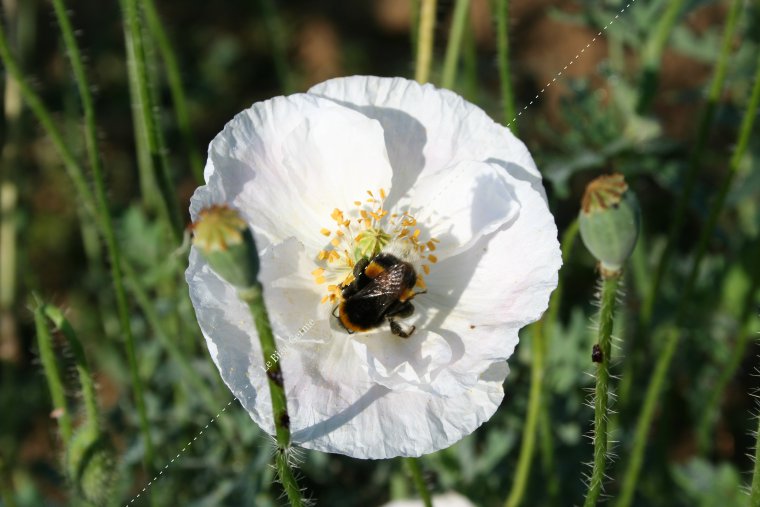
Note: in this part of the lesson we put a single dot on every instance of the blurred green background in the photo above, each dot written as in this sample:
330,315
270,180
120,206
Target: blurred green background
231,54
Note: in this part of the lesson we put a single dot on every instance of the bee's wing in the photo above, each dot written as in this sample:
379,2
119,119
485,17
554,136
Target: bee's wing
385,289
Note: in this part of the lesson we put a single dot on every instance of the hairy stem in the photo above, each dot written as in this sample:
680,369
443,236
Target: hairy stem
601,393
146,113
502,37
106,223
176,88
83,370
254,298
52,373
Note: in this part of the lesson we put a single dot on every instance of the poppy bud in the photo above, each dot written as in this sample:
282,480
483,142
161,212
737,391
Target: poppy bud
224,239
609,221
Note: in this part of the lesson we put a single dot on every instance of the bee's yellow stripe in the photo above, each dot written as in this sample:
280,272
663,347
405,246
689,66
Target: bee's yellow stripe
407,295
373,269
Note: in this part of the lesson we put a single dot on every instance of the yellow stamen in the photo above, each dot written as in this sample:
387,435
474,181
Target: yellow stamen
432,258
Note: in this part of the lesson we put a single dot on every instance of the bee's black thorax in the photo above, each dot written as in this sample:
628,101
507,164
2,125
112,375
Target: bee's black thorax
382,289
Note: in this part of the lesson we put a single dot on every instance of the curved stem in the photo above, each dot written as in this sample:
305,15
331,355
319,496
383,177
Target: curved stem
666,355
425,41
83,370
604,341
52,372
254,298
176,88
502,36
106,223
453,49
415,470
684,197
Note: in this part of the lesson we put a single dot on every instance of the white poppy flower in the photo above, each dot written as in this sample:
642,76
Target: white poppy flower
357,164
450,499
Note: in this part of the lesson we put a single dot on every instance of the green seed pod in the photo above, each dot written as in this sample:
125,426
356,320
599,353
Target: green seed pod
224,239
90,465
609,221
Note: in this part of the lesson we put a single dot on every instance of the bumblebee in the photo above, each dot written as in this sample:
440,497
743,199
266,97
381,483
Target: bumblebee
382,289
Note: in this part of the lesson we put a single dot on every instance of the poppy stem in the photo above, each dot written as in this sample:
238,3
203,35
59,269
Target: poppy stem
536,405
425,41
55,315
52,372
177,90
652,55
692,169
453,49
502,35
601,356
413,465
665,357
254,298
146,116
105,221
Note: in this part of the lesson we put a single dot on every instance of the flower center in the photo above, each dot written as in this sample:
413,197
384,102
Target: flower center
362,233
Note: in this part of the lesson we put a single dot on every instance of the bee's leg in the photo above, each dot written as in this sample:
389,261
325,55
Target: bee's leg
334,310
400,310
360,280
359,267
398,330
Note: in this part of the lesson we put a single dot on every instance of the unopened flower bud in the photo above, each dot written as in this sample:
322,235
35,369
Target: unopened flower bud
224,239
609,221
90,465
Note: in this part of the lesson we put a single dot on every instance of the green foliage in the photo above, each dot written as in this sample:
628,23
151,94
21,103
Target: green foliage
215,61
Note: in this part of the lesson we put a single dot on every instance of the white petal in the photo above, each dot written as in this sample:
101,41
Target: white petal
507,278
334,405
286,163
461,203
450,499
428,129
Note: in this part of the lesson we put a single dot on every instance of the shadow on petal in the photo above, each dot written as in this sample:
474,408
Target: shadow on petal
334,422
